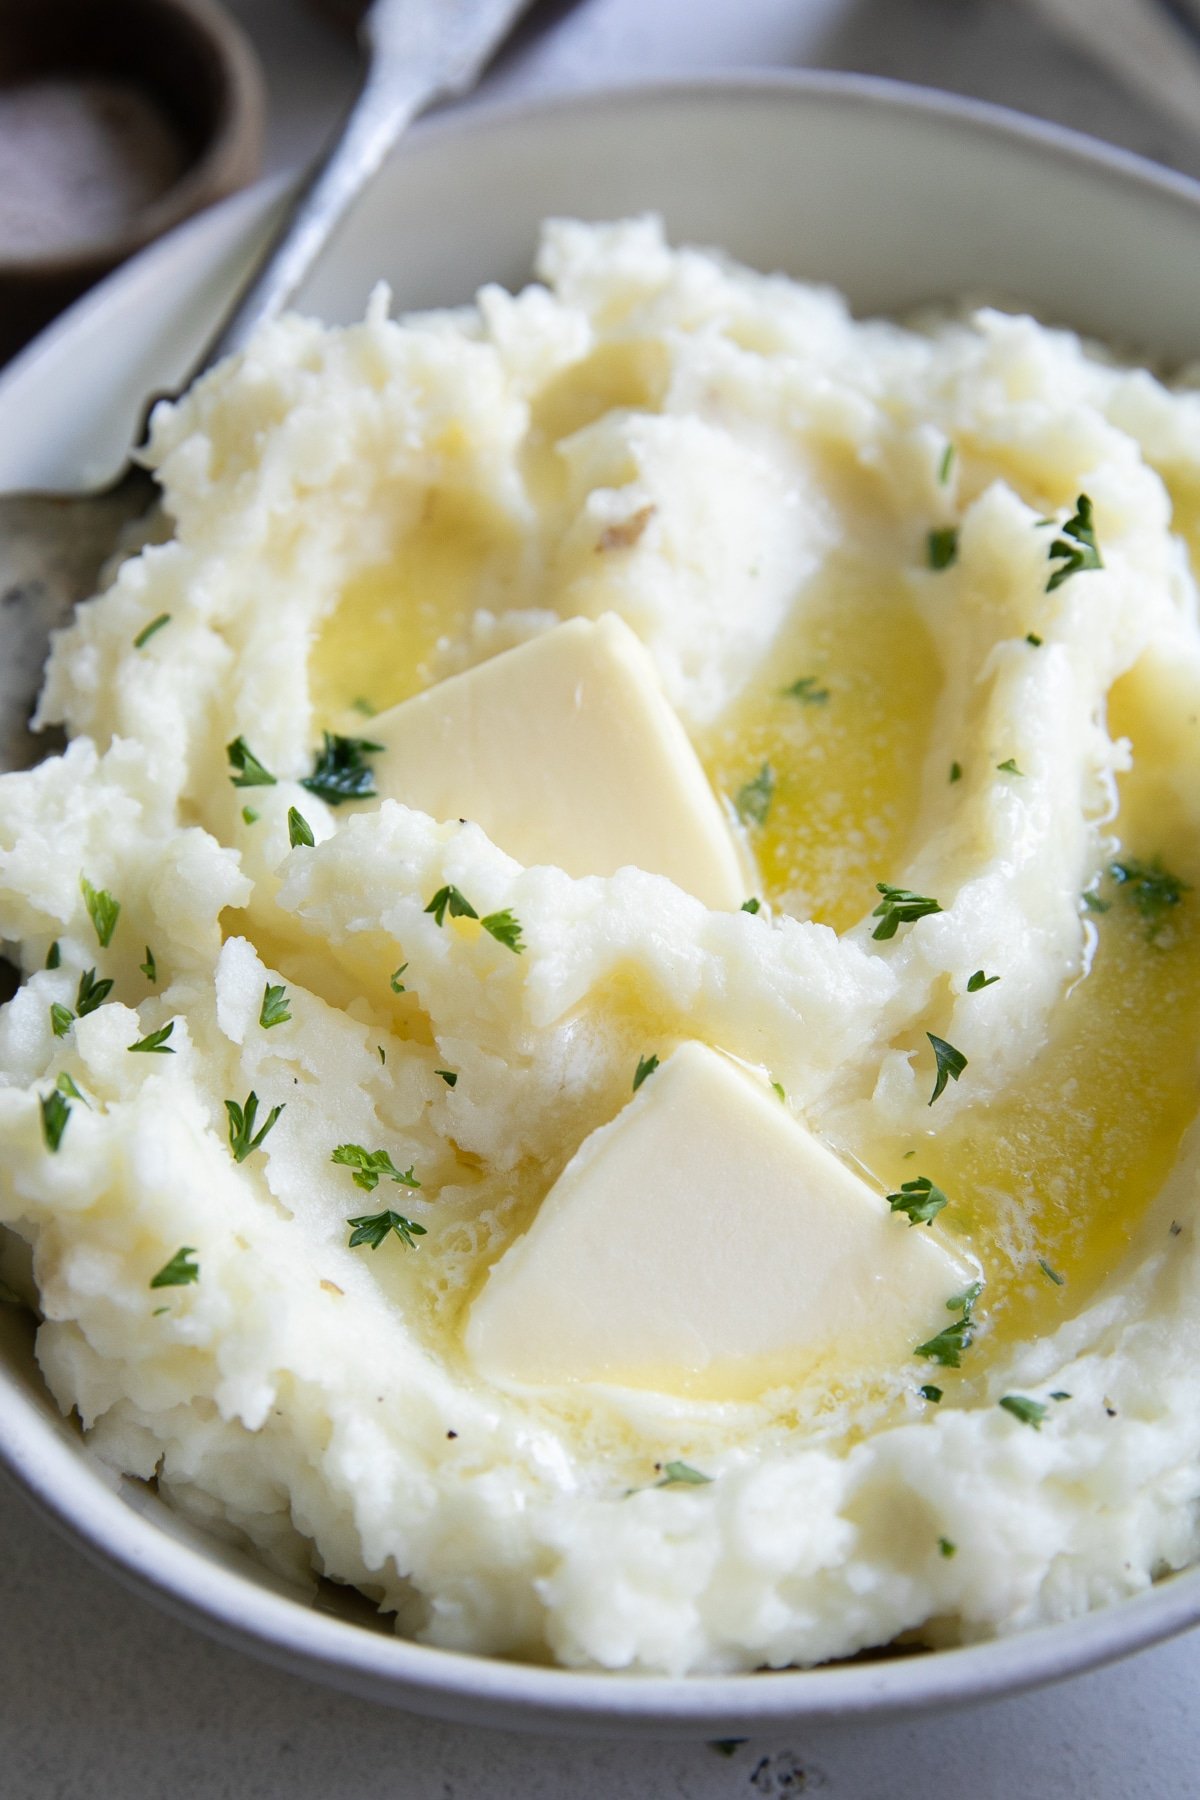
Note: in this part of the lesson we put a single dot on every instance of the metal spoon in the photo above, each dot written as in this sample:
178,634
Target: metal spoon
53,546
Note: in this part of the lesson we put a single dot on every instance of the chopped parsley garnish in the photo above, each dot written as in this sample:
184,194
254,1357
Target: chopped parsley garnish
1050,1274
149,968
1031,637
948,1345
1009,767
398,986
61,1019
946,464
1091,899
363,706
1077,549
943,547
920,1200
778,1090
899,907
179,1272
808,690
373,1228
56,1110
1060,1394
955,772
103,910
340,773
65,1085
752,906
275,1008
91,993
930,1393
449,900
370,1165
646,1066
505,928
946,1547
979,980
1150,887
156,1044
147,632
950,1064
753,801
249,816
449,1076
300,835
242,1120
681,1474
53,955
248,771
1030,1412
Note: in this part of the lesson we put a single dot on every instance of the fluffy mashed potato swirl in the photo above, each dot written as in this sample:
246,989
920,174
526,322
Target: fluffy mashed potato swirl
906,652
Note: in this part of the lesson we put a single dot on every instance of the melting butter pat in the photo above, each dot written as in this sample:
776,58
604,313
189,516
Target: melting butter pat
566,751
705,1243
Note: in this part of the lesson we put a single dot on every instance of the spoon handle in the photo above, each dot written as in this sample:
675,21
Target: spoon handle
418,51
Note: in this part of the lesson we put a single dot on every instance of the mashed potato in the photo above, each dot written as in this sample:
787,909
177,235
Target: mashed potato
923,601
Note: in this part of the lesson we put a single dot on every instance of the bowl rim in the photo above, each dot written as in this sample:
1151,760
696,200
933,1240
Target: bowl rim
230,155
83,1501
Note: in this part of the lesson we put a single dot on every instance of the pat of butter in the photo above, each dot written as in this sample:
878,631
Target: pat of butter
706,1243
566,751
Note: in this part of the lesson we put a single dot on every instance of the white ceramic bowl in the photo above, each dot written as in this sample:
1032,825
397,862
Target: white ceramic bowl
899,197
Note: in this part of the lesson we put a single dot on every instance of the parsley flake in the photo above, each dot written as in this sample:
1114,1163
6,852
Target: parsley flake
103,910
91,993
242,1120
778,1090
65,1085
56,1110
646,1066
449,1076
179,1272
340,773
149,968
950,1064
275,1008
943,547
947,1346
807,690
946,464
370,1165
946,1547
899,907
1077,549
156,1043
955,772
53,955
300,835
61,1019
449,900
753,801
373,1228
979,980
147,632
681,1474
752,906
505,928
1150,887
248,771
249,816
1030,1412
1009,767
919,1199
363,706
1031,637
1050,1274
930,1392
398,986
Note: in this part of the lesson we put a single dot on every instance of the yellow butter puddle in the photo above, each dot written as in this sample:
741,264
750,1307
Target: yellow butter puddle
844,753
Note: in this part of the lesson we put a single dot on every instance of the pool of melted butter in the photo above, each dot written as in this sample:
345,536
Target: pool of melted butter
1059,1175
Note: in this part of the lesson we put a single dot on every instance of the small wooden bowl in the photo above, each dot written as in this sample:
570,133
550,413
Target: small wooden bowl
184,66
